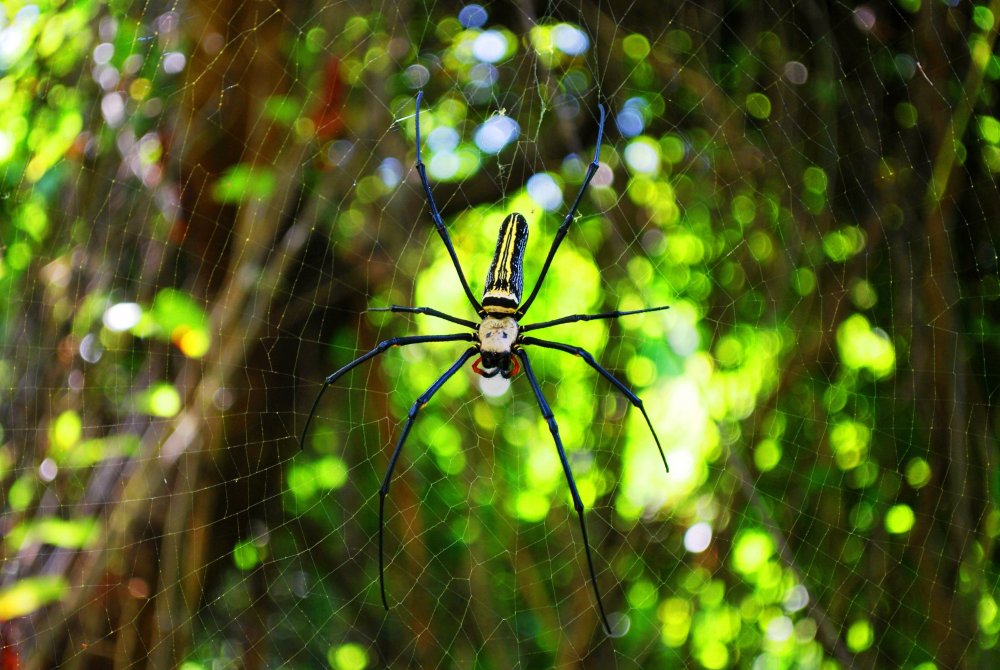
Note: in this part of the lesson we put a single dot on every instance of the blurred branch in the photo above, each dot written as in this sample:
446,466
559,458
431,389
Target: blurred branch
949,371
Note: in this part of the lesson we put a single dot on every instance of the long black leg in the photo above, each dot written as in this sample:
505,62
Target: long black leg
438,223
384,490
589,317
586,355
382,346
561,233
430,311
577,502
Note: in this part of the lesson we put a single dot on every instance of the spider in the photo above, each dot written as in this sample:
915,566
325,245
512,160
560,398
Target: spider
499,341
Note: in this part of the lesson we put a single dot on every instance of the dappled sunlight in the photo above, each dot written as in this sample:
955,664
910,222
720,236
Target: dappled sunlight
220,447
863,347
680,416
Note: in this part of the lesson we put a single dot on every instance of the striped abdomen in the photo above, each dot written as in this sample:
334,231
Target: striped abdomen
506,277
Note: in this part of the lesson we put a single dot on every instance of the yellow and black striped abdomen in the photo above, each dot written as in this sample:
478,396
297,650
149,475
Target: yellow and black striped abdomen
506,277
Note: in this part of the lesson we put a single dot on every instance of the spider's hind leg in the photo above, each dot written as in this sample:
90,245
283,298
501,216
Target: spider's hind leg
384,489
577,501
382,347
626,391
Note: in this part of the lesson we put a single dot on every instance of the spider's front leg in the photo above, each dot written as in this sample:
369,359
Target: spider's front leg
430,311
438,221
564,228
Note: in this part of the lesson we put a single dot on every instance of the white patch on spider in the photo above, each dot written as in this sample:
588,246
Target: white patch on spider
497,336
494,387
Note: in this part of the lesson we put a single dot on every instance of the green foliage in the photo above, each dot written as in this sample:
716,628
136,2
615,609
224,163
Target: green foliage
72,534
243,182
176,316
160,400
28,595
348,657
246,555
182,270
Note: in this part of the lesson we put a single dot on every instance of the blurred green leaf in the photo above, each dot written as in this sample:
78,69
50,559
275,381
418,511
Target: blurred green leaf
160,400
246,555
86,453
282,108
30,594
182,320
65,431
752,549
21,492
66,533
243,182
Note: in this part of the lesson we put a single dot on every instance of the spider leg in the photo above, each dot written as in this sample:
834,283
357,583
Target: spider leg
577,502
561,233
588,317
412,417
586,355
438,223
430,311
382,347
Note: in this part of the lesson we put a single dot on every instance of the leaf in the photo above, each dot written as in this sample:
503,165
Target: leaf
181,319
29,595
88,452
243,182
65,533
160,400
283,109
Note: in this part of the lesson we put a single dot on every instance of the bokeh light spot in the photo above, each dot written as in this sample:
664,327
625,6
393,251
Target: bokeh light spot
490,47
544,190
443,138
122,316
472,16
630,122
899,519
642,157
860,636
496,133
796,72
570,39
698,537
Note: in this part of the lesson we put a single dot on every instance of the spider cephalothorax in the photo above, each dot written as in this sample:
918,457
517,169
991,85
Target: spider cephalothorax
499,341
497,337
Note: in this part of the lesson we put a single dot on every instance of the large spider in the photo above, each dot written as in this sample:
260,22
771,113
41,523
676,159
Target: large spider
499,341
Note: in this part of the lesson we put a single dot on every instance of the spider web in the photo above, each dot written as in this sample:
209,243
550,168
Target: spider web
206,200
